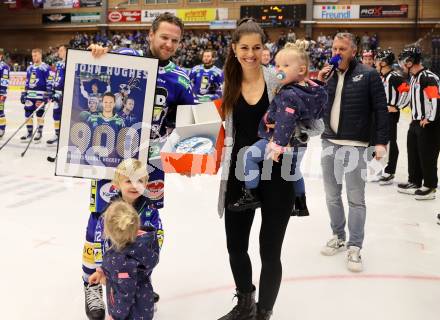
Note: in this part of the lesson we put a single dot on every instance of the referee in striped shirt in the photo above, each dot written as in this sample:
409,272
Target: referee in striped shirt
423,141
396,90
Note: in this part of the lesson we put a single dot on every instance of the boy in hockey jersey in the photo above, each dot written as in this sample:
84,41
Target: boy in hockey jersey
37,92
57,93
423,139
396,89
173,88
128,263
4,83
130,179
207,79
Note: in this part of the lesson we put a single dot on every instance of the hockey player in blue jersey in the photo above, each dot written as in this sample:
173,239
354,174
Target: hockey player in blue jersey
207,79
57,93
101,122
37,91
4,83
127,112
173,88
107,117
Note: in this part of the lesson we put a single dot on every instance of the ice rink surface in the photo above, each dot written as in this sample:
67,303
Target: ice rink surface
43,220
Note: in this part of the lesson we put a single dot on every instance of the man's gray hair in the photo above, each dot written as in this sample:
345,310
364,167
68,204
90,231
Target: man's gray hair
349,36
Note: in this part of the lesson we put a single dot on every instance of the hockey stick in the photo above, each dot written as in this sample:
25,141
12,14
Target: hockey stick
16,131
34,133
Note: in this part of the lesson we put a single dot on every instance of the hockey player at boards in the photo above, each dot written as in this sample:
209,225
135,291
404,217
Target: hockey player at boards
37,91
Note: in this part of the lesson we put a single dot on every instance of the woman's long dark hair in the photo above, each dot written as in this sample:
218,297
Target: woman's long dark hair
232,69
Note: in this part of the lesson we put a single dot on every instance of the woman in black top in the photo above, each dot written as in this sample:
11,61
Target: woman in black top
248,90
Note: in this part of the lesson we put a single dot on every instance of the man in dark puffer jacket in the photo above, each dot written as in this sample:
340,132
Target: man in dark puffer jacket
356,100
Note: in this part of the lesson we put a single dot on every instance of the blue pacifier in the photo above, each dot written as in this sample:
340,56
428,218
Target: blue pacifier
281,75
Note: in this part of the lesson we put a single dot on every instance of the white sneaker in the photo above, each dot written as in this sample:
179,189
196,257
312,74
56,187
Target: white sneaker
354,261
425,193
407,188
333,246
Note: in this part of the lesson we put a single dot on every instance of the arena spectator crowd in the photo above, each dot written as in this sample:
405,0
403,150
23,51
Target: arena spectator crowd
194,43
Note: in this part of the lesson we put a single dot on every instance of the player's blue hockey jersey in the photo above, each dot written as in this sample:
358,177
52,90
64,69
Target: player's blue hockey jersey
4,78
38,83
58,82
207,82
173,88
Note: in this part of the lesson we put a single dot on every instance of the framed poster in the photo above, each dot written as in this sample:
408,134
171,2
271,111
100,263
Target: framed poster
106,114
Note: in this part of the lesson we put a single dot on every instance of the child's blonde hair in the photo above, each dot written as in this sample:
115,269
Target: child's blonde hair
131,168
299,49
121,224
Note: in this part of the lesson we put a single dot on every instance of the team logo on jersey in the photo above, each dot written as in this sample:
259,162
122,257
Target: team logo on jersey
33,80
155,189
205,84
107,191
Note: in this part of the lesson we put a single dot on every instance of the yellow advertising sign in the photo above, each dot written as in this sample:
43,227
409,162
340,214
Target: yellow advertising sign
197,15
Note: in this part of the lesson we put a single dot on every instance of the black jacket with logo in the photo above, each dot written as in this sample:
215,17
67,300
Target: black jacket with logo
364,113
